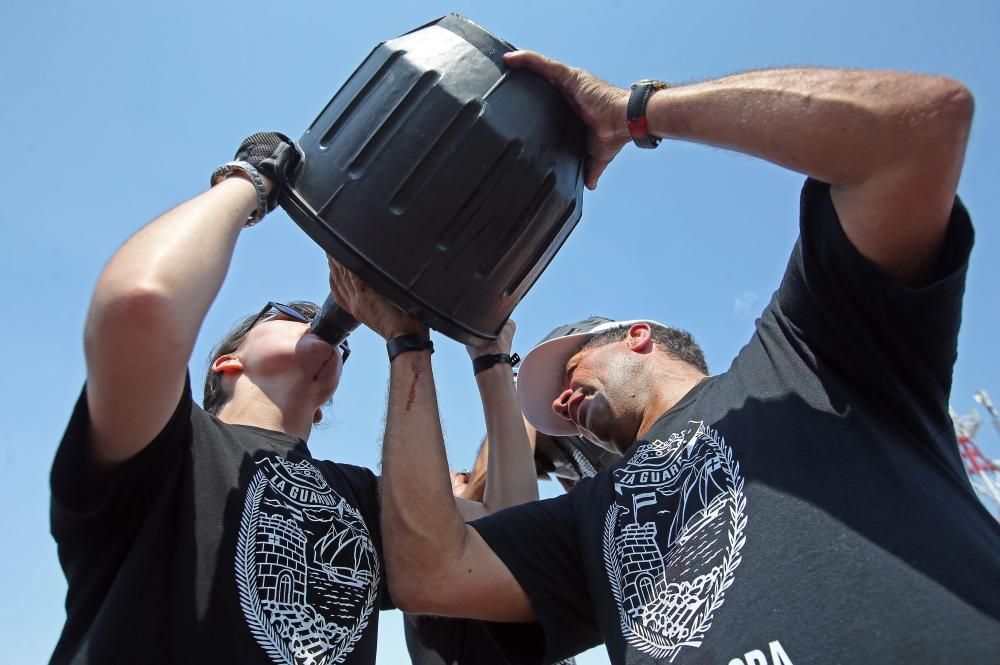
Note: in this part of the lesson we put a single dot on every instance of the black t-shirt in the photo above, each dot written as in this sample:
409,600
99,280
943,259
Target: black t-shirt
216,544
807,506
445,641
433,640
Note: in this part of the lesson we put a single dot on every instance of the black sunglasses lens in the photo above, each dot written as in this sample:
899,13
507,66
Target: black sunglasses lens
288,311
345,350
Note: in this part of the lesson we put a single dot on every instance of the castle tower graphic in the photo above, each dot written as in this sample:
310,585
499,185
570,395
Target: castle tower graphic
281,567
641,566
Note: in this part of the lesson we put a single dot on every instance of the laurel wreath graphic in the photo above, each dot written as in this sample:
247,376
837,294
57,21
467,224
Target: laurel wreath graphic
654,643
358,629
246,581
246,578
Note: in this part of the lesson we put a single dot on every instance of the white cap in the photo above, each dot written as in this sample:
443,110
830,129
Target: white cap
540,377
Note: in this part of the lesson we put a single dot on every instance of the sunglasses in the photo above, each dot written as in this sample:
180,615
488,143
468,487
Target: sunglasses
273,310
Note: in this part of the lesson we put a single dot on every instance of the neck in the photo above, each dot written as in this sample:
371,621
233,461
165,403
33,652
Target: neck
670,383
251,406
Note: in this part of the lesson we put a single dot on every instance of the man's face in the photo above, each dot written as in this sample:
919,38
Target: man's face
599,395
279,344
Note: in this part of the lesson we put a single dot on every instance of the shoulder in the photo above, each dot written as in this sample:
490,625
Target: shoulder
822,237
358,482
359,475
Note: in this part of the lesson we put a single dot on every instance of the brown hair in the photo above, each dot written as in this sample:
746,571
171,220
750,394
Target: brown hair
678,343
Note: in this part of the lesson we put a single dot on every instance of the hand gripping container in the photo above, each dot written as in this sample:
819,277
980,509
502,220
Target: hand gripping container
446,180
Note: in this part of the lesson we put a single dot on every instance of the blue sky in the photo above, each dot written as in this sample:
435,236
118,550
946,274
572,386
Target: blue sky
113,112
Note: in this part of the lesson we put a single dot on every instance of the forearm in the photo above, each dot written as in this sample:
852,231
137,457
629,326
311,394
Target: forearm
421,526
510,469
435,563
175,266
840,126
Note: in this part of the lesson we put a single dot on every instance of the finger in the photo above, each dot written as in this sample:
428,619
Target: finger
556,72
601,155
337,278
532,60
341,283
344,276
335,266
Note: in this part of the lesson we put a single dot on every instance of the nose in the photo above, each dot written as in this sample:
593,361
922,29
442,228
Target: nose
561,404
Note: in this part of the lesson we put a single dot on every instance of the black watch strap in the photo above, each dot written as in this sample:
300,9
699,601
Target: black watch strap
405,343
483,363
635,114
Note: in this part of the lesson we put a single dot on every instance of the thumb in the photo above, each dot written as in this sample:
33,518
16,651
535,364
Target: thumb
597,161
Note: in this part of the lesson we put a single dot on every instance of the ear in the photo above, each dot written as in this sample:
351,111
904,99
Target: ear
317,416
227,364
640,338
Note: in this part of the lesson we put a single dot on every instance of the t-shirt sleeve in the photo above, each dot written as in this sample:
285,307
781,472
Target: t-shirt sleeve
893,344
538,543
91,504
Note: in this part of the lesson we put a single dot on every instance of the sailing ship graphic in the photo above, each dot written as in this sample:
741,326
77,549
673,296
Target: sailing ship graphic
346,554
672,538
307,571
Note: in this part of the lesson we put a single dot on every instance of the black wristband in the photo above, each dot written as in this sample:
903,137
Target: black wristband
275,156
405,343
483,363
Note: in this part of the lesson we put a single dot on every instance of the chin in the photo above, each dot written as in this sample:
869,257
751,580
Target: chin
320,363
604,440
328,386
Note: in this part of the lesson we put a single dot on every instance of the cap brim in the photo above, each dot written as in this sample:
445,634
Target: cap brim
540,378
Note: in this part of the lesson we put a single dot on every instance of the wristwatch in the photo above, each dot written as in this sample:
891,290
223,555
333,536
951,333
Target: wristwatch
407,343
635,114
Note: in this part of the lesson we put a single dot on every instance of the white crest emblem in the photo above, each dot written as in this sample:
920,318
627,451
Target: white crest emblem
307,571
672,539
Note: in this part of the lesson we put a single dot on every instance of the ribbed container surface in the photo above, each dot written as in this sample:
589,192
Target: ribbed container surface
443,178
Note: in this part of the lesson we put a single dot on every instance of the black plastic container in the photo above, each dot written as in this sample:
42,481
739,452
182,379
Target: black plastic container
444,179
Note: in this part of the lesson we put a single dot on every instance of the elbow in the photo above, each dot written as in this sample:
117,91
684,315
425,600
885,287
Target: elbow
951,110
405,600
957,105
410,594
118,311
931,134
422,584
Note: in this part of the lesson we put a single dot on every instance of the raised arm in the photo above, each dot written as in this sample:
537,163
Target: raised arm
145,314
146,311
509,465
891,144
435,563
